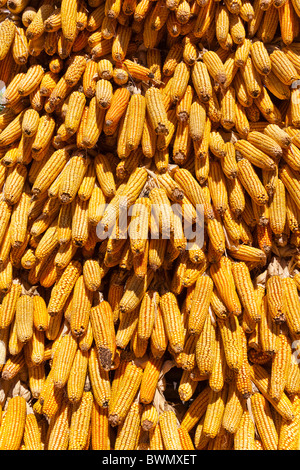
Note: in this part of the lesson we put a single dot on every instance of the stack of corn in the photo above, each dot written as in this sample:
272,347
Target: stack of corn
171,104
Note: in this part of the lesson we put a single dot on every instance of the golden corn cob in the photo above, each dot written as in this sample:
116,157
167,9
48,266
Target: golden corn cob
244,437
7,33
279,368
245,289
81,306
169,430
89,78
276,298
214,412
80,422
200,305
283,67
131,381
288,433
72,178
172,321
128,440
263,421
77,376
251,182
68,19
201,81
104,334
158,339
291,296
63,288
12,131
99,378
94,124
57,439
100,439
150,379
222,270
24,318
261,379
231,340
63,361
13,426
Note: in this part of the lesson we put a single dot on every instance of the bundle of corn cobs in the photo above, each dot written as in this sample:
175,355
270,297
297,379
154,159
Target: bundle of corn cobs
150,342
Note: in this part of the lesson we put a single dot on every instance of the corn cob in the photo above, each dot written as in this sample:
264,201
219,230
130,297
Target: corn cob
124,396
261,379
80,422
12,428
244,437
262,417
